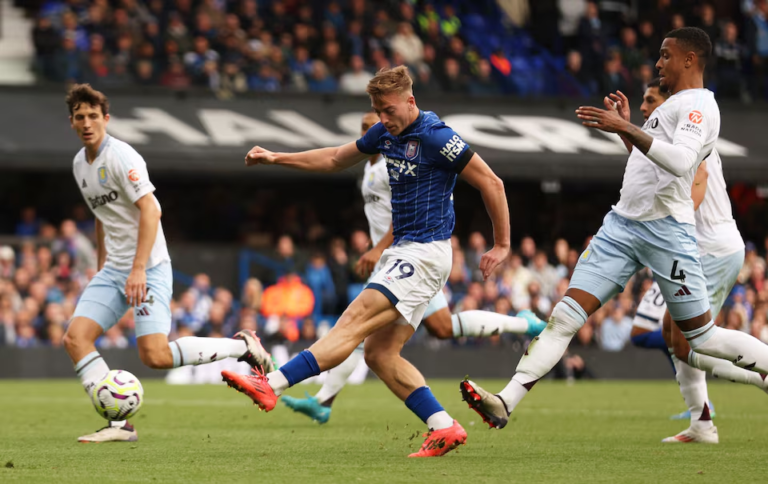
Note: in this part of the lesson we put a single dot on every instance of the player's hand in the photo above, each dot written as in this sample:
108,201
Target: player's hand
619,102
491,260
259,156
367,262
136,287
608,120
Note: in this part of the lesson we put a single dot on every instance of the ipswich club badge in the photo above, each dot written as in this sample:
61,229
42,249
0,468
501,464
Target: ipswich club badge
412,149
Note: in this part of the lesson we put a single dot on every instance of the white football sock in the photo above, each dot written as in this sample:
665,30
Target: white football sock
724,369
740,348
512,394
191,350
337,377
693,386
486,323
91,368
439,420
545,350
278,382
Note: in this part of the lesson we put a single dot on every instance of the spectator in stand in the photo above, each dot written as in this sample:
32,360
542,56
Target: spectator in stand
355,81
453,79
757,43
252,292
614,74
7,262
321,80
408,44
708,22
320,281
615,330
729,53
77,245
543,272
233,80
266,80
450,24
175,77
483,84
631,56
145,73
29,224
186,321
591,38
648,40
573,66
46,40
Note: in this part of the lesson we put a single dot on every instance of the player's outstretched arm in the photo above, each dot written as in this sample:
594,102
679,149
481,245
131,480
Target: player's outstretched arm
699,187
323,160
677,158
101,249
478,174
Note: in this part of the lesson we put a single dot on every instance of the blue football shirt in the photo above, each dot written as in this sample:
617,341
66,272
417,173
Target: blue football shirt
423,163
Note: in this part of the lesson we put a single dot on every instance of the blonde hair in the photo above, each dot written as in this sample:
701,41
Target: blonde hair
386,81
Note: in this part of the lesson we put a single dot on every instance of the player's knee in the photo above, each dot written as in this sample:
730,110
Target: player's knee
681,349
70,342
439,327
74,342
376,358
567,319
157,360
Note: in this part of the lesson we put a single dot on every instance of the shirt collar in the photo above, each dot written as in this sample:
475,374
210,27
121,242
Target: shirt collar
413,125
103,144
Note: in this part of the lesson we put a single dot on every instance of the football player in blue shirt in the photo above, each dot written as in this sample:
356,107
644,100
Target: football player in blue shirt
424,157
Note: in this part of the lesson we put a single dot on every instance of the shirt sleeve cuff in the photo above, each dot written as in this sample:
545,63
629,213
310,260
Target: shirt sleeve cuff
135,196
463,160
362,149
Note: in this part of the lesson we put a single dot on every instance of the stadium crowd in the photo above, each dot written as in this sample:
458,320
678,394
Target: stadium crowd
42,277
479,47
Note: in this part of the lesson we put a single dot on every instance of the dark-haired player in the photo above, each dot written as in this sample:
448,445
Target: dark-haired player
134,266
653,225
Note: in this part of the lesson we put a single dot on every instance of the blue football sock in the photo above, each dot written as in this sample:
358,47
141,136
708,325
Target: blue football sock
303,366
423,403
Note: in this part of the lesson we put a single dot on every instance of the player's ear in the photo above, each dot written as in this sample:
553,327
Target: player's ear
71,123
690,59
106,118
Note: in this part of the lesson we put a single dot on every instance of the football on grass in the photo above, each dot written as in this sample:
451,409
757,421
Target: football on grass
118,396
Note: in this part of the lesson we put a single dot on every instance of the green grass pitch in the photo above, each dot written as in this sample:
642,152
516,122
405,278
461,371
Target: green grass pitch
589,432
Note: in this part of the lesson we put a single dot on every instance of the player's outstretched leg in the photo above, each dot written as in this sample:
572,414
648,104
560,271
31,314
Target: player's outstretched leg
370,311
487,323
382,354
490,407
191,350
441,324
545,350
318,408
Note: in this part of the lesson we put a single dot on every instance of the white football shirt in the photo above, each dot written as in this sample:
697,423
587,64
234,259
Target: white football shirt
111,185
378,199
716,230
690,118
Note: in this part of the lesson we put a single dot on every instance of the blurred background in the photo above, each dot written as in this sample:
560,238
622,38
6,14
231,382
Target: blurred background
195,83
